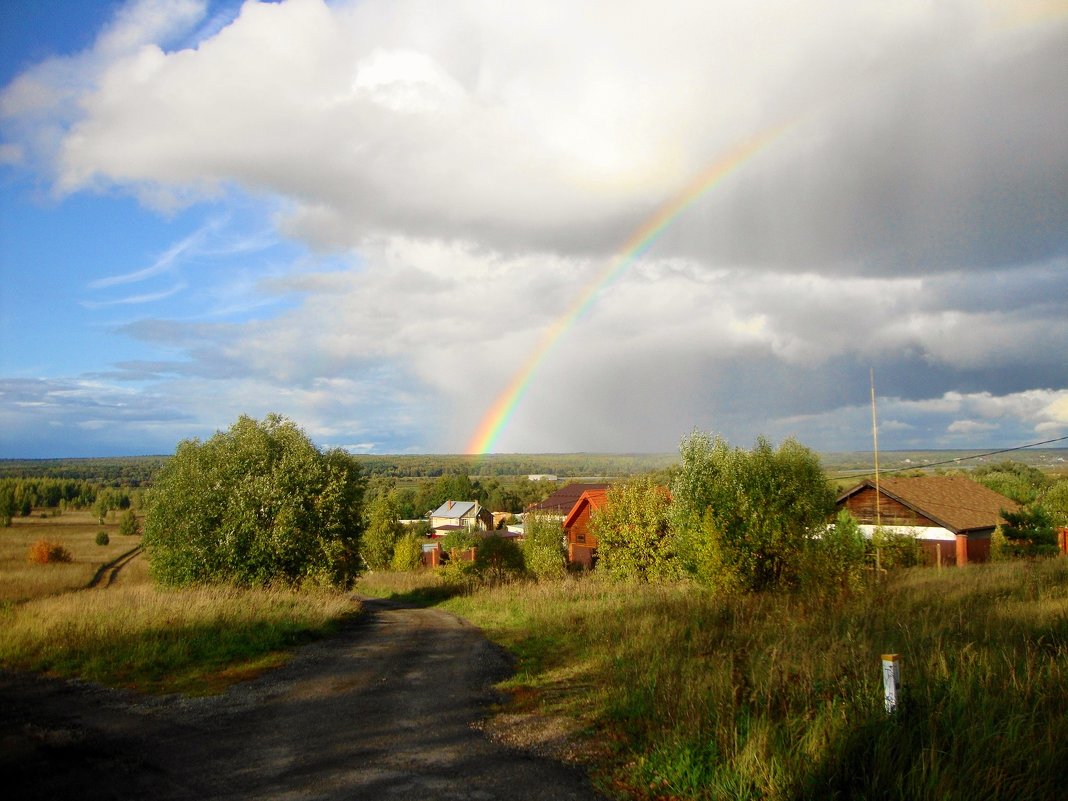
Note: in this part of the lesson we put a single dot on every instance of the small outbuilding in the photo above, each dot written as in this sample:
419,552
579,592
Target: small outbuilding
951,516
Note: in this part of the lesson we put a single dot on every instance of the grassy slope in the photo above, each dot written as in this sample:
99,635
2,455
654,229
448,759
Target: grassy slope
195,640
134,634
781,697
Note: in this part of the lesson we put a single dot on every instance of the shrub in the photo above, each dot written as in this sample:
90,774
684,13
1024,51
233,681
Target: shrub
459,575
764,505
634,540
128,524
1028,532
837,558
407,553
1018,481
498,559
459,540
421,528
44,552
543,546
1055,502
102,537
383,529
895,549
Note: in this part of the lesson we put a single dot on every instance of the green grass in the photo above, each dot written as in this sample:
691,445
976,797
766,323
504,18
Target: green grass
194,641
780,696
132,634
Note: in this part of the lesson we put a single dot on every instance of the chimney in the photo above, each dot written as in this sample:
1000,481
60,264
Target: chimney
450,504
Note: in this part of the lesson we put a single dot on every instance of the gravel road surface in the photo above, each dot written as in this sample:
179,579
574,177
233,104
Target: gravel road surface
387,709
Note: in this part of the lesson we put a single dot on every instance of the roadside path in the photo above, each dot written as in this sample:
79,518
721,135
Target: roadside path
383,710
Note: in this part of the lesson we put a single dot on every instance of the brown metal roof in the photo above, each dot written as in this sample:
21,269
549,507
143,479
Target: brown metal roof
561,501
954,502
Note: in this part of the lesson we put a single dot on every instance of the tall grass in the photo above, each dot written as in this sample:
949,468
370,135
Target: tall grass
780,696
132,634
192,640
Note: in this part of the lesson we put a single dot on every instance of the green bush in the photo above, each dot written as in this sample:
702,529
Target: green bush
129,526
634,539
751,512
543,546
1027,532
889,548
836,559
1054,502
102,538
459,540
254,505
498,559
459,575
407,553
383,531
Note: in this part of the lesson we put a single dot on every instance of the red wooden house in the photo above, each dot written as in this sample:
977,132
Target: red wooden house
581,543
951,516
563,500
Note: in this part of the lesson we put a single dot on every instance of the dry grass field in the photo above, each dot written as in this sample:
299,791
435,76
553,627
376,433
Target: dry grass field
23,580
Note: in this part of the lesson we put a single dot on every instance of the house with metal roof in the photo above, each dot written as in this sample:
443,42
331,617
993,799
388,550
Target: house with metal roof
951,516
453,515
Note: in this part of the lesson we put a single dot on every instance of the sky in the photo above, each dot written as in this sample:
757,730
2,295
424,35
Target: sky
570,226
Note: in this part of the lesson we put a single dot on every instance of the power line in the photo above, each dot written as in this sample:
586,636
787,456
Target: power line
959,458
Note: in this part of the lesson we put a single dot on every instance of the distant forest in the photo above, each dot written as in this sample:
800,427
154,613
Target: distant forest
122,471
136,471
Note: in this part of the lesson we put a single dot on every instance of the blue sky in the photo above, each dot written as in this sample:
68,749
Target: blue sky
366,215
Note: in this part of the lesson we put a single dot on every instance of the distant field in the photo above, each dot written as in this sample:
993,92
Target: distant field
76,531
861,463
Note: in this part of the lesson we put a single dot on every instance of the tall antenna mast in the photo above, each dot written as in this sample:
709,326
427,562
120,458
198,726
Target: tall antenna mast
875,445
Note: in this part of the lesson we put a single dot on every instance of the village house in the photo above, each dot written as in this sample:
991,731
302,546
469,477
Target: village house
563,500
454,515
581,542
951,516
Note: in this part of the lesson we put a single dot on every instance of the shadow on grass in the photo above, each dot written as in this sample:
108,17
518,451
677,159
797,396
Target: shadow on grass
418,597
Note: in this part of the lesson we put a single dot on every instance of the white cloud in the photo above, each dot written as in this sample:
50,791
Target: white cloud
556,126
468,169
970,427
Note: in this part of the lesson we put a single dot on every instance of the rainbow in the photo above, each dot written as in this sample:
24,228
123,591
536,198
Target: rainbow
497,417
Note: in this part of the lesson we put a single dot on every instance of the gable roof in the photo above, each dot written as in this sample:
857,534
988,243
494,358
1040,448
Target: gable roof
456,509
562,500
953,502
595,499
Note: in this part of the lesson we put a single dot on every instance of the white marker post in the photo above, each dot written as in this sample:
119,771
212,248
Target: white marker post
891,681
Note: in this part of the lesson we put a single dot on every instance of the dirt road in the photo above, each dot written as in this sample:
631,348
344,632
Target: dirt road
384,710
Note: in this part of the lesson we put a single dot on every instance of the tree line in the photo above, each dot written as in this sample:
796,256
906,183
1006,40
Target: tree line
260,503
123,471
20,496
569,465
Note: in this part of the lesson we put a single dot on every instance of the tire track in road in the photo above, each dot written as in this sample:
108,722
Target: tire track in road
108,572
